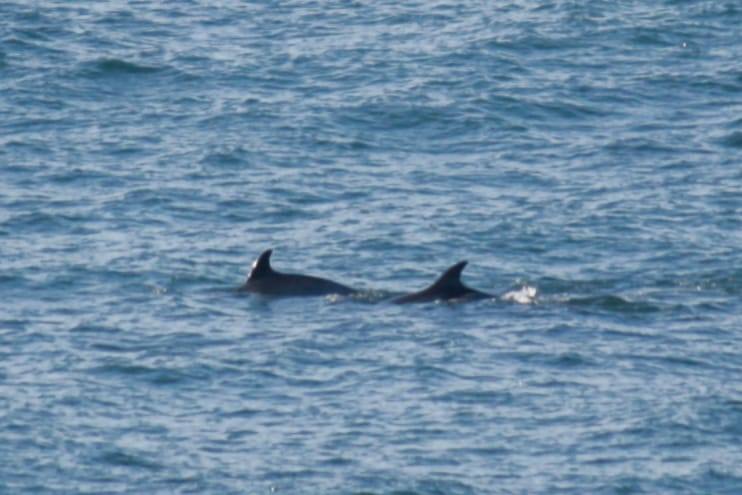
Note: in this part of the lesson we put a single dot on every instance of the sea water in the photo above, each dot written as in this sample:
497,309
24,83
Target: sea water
585,157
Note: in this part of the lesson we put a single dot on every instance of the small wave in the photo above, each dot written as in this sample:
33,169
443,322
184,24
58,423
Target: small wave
733,140
724,280
650,37
368,296
45,222
614,304
124,459
475,396
117,67
568,110
570,360
245,412
155,376
236,158
637,145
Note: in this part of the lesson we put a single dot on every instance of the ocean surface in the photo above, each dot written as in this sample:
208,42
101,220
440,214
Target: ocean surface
585,157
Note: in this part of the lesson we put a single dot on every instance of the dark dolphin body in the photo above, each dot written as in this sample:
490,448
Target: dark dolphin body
264,280
448,287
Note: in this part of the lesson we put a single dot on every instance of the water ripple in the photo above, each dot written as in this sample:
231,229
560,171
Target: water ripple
582,158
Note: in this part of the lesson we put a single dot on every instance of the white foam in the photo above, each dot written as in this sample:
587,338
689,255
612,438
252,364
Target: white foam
524,295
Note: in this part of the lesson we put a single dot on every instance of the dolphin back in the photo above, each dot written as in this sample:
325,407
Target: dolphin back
446,287
264,280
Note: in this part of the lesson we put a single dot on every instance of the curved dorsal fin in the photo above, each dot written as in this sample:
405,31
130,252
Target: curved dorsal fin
450,278
262,265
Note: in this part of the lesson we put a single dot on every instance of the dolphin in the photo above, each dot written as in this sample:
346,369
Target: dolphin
447,287
265,280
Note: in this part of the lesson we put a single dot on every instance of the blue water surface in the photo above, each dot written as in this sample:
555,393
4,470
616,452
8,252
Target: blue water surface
589,152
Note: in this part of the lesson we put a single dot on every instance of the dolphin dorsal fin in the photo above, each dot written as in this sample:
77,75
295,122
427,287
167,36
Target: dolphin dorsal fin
262,265
450,278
